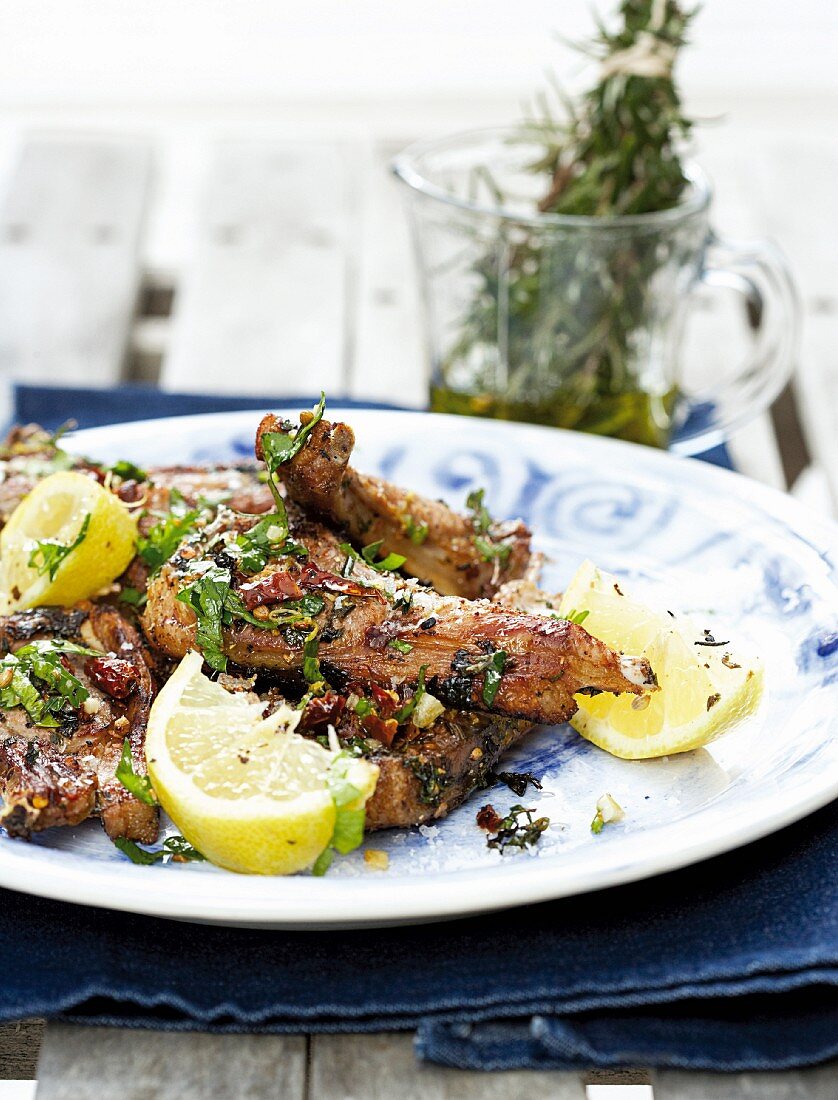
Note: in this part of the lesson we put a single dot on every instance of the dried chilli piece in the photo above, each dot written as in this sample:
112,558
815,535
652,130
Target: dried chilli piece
114,675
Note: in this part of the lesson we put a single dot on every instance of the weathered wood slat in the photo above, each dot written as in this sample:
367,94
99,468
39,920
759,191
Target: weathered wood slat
384,1067
262,304
388,361
20,1044
809,1084
70,233
81,1063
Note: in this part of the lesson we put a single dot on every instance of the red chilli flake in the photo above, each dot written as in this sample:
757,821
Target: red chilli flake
274,588
311,577
489,819
382,729
322,710
113,675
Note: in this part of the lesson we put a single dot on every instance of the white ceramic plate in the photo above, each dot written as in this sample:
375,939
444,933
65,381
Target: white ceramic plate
746,560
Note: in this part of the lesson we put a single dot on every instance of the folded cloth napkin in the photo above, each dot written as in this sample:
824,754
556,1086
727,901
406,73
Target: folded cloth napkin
731,964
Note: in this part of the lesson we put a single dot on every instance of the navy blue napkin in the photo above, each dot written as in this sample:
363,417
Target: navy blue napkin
52,406
732,964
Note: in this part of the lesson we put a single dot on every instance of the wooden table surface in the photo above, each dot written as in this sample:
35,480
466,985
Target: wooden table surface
293,273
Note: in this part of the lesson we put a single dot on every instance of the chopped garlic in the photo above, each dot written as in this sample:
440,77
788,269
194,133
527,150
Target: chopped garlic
376,860
607,810
428,709
91,705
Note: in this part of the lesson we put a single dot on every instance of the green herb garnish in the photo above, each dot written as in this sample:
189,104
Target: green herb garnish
40,683
311,664
481,521
518,829
133,596
348,832
400,646
128,471
48,554
491,664
489,551
280,447
577,617
168,533
368,555
416,532
406,712
175,849
138,785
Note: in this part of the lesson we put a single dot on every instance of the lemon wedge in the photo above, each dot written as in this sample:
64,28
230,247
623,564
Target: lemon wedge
64,542
705,689
246,791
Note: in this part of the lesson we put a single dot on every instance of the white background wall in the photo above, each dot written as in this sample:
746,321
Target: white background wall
61,54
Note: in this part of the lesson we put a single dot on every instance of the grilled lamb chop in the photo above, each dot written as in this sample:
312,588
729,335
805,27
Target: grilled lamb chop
62,773
440,546
375,627
423,773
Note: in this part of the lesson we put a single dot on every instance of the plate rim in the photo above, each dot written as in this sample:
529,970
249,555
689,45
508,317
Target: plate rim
523,881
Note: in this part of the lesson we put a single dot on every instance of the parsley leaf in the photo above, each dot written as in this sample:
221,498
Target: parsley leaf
128,471
488,550
416,532
280,447
400,646
518,829
208,596
175,849
492,664
138,785
368,554
311,665
480,518
58,688
48,554
133,596
410,706
168,533
269,538
577,617
348,831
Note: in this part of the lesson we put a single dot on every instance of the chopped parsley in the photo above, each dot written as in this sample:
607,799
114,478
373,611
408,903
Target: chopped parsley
491,663
481,521
416,532
489,551
368,554
311,664
40,683
133,596
269,538
168,533
406,712
577,617
348,832
363,707
175,849
517,830
138,785
48,554
280,447
400,646
128,471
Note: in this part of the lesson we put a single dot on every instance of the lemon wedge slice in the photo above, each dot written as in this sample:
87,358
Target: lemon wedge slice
64,542
705,689
246,791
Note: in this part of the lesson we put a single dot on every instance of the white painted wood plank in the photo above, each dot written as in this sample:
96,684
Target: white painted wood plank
820,1083
262,304
70,233
88,1063
384,1067
389,359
